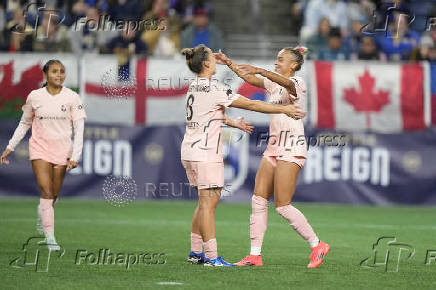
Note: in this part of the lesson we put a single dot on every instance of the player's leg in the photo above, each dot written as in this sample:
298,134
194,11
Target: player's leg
207,202
285,180
196,239
43,171
263,189
58,179
196,256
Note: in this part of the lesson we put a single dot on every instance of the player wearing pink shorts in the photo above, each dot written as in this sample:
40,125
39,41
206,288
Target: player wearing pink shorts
201,155
51,111
284,156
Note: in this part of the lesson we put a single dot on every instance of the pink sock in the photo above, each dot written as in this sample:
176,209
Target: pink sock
47,215
210,249
55,201
196,243
258,220
299,222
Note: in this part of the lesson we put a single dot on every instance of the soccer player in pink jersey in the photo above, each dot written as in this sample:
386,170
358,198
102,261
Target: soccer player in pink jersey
51,111
284,156
201,154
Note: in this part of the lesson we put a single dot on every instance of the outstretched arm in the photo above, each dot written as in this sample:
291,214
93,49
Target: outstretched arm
249,78
274,77
293,111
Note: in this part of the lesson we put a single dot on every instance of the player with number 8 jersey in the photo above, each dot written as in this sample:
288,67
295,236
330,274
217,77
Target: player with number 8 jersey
206,101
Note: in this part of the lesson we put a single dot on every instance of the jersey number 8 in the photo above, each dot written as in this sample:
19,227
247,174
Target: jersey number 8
189,112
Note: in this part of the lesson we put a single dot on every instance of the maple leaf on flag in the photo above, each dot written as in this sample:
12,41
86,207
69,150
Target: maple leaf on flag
367,99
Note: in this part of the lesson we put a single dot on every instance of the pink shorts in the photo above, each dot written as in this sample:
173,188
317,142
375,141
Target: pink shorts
299,161
204,175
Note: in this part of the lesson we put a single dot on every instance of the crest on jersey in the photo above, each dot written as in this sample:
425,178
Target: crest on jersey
63,108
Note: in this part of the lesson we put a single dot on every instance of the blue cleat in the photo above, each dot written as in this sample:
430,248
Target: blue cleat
218,262
196,258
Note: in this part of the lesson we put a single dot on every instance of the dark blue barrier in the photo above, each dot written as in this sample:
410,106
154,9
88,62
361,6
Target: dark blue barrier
346,168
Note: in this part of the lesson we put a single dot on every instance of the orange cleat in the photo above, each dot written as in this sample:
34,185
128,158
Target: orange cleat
318,255
251,260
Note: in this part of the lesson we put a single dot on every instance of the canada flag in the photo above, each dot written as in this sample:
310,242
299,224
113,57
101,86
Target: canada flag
370,96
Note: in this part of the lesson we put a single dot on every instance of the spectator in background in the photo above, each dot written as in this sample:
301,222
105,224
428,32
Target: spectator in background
399,41
202,31
87,36
125,9
362,10
297,12
334,10
319,40
162,39
2,29
353,40
188,10
334,50
425,51
127,43
79,8
19,35
368,50
50,36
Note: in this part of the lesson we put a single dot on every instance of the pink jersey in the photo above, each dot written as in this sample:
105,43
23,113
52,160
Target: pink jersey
205,108
52,123
286,135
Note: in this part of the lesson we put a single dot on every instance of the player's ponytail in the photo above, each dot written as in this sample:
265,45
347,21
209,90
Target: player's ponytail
299,52
188,52
47,65
302,49
195,57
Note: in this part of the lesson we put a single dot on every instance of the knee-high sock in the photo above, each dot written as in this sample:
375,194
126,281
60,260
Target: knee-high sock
196,243
258,223
211,249
47,215
299,222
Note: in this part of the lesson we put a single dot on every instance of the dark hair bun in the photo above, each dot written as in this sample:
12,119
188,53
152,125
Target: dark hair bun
188,52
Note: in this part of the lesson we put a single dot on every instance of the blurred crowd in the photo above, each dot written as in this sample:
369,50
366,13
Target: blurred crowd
124,27
387,30
367,30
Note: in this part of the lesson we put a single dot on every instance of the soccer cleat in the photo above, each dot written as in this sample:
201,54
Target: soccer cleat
51,243
218,262
196,258
318,254
251,260
39,228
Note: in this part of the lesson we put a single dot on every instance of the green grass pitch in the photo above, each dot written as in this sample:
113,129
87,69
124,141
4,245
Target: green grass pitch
164,227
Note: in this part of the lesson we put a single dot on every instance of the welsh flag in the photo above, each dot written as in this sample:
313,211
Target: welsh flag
371,96
22,73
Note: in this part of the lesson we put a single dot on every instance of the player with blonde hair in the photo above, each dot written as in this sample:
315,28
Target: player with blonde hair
284,156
